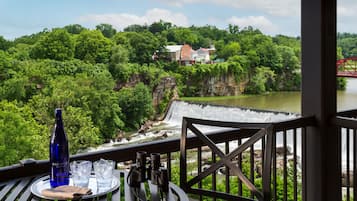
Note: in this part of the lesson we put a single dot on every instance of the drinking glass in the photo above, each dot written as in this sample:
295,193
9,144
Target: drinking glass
103,170
81,171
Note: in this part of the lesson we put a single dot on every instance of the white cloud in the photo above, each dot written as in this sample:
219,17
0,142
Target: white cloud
180,3
347,10
122,20
260,22
272,7
346,16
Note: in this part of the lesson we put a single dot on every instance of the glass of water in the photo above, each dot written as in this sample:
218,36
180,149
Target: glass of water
80,171
103,170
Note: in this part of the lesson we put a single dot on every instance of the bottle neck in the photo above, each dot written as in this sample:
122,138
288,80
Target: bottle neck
59,117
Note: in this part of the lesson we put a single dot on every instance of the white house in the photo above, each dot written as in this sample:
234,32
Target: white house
174,52
186,55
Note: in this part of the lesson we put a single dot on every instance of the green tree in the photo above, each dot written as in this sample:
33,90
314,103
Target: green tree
93,93
160,26
210,32
4,44
118,65
182,36
136,28
14,89
57,45
20,51
31,39
261,81
93,47
290,62
4,65
80,130
341,83
348,45
20,135
233,29
136,104
229,50
268,53
288,77
339,53
74,28
288,41
119,55
107,30
143,45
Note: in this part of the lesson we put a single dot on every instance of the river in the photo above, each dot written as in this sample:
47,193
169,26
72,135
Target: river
286,105
289,101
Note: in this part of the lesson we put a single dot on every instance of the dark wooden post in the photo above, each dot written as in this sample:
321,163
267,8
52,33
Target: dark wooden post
321,145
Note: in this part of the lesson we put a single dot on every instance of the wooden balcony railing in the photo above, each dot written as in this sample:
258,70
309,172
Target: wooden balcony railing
235,168
286,161
347,126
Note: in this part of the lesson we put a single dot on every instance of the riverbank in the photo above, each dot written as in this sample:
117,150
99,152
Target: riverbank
279,101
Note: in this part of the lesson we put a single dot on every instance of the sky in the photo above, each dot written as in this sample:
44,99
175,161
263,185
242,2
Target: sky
24,17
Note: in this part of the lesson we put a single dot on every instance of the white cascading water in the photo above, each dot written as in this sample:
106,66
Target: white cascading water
171,125
181,109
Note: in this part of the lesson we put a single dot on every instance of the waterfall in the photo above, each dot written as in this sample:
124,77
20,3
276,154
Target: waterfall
171,125
179,109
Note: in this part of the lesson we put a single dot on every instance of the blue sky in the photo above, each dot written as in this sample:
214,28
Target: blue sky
23,17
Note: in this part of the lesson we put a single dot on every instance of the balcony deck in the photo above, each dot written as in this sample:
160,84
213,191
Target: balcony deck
287,165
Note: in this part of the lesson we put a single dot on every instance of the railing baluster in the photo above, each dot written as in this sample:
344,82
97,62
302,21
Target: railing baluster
227,170
303,161
251,161
340,133
199,166
354,165
295,164
263,152
274,168
285,171
168,164
348,164
214,175
240,186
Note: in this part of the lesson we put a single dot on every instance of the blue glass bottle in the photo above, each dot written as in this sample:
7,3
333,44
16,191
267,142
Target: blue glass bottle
59,155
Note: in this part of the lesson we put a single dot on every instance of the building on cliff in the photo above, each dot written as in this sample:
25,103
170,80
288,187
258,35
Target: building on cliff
185,55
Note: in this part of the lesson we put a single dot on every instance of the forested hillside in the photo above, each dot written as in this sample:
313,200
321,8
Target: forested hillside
86,72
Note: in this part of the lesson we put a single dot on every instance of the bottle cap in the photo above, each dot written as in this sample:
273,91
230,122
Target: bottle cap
58,111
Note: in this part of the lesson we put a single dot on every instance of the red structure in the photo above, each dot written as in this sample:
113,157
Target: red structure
347,67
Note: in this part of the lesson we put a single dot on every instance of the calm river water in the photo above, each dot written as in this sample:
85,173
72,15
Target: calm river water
290,101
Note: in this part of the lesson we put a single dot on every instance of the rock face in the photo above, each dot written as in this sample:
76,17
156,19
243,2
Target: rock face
166,89
133,80
166,86
145,127
224,85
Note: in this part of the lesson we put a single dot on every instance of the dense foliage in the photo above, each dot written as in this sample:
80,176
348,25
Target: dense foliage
104,79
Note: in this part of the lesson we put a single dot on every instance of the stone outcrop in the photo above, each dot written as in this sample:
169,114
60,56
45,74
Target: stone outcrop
224,85
166,86
133,80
